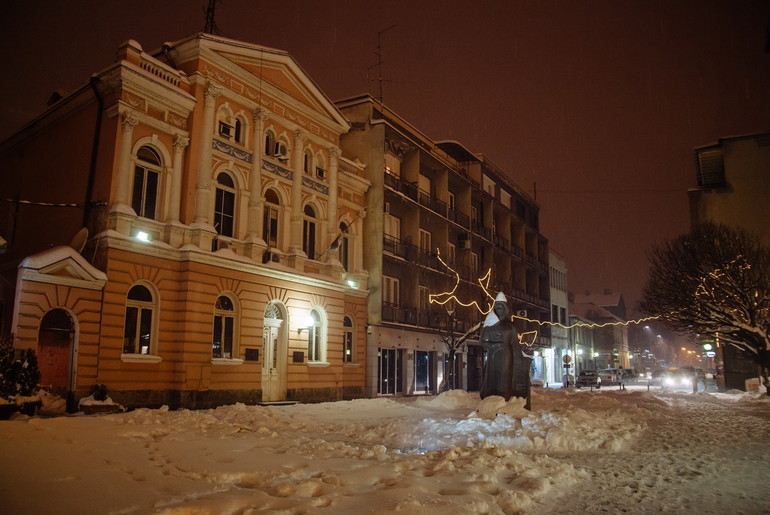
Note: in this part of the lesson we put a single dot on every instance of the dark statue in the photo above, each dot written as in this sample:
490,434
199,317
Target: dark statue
507,364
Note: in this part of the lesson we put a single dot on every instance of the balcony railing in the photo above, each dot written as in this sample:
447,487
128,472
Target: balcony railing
396,183
399,314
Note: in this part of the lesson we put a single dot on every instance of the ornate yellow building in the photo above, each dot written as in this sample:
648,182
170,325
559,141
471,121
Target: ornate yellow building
224,255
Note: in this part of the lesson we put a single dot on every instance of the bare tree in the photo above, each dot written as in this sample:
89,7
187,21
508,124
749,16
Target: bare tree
714,280
454,343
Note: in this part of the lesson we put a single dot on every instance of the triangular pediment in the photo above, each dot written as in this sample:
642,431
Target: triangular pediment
62,265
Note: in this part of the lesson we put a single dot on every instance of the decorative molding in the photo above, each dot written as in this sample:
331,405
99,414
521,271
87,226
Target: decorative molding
315,186
181,142
277,170
242,155
129,121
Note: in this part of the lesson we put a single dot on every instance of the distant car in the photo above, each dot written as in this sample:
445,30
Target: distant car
685,378
656,377
611,376
588,378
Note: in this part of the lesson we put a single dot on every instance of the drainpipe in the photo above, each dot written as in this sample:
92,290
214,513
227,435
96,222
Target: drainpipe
94,150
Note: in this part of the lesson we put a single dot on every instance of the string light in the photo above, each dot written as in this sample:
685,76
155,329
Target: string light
449,296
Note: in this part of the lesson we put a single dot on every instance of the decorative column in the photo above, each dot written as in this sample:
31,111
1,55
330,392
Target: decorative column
256,212
295,241
123,187
204,157
332,227
180,144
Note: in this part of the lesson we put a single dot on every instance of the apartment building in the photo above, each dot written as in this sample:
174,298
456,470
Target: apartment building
222,258
439,218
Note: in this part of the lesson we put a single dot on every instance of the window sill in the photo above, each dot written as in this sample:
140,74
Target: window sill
318,364
226,361
351,365
140,358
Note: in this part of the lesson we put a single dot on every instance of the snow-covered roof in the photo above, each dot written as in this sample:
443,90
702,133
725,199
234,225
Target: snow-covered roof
62,265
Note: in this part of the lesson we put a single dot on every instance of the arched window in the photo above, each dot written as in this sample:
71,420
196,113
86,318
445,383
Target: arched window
315,340
307,162
223,338
224,208
347,340
343,248
270,224
240,131
269,143
138,336
308,232
147,170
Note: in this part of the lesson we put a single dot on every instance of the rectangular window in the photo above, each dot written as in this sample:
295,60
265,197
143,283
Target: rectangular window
424,298
425,240
224,211
145,192
390,370
554,313
391,290
563,316
392,226
392,165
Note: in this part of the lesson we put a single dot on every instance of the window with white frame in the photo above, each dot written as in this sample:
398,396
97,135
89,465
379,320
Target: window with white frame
391,291
224,205
138,334
392,226
347,340
147,175
271,222
315,338
223,334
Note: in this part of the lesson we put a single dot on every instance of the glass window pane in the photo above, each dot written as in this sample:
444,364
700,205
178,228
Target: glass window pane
129,333
140,293
228,337
145,331
136,196
150,195
216,346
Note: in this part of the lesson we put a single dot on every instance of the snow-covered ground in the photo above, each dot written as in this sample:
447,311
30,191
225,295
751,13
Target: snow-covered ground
608,451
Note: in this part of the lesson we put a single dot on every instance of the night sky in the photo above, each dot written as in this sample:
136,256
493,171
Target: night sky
592,106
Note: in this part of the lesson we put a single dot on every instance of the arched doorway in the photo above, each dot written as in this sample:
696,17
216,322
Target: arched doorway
274,354
55,353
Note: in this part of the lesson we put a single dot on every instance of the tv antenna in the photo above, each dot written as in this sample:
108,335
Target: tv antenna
211,24
379,62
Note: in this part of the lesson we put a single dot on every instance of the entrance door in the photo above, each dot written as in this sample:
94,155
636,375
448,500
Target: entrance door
55,352
423,368
274,359
390,371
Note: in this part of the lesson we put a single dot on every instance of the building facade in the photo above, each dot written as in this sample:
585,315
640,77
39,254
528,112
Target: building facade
733,190
550,364
223,256
447,228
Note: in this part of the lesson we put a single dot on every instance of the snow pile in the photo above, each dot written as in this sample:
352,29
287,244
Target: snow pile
453,453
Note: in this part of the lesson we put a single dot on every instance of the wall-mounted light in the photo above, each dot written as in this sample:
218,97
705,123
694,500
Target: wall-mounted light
352,283
143,236
304,322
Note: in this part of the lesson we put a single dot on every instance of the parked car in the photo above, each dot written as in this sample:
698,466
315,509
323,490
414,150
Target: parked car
611,376
588,378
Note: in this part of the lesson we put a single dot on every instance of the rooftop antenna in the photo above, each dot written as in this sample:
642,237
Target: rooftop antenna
379,62
211,24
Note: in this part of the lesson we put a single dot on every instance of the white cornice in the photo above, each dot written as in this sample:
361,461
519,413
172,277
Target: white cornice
226,260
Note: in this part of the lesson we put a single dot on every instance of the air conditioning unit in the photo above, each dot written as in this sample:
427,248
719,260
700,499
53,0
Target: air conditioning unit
281,152
225,130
